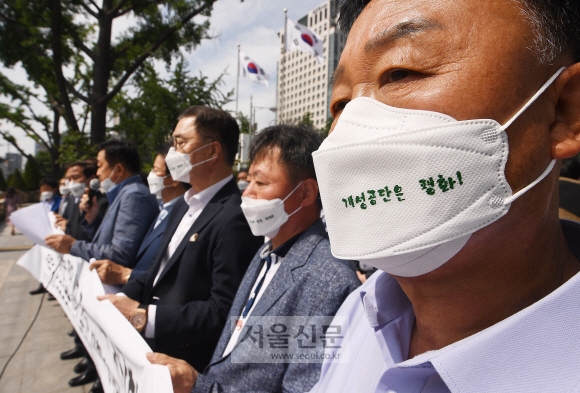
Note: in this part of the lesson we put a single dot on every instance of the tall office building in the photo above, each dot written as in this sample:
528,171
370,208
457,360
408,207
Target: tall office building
11,162
303,84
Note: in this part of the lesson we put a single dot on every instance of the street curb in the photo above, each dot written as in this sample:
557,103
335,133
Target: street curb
17,248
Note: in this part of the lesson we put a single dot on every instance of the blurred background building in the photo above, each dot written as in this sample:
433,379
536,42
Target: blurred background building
303,84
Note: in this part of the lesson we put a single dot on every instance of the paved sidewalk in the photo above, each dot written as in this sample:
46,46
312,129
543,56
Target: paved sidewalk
36,367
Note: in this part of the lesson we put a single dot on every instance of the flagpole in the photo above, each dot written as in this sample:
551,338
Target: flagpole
238,82
281,102
251,117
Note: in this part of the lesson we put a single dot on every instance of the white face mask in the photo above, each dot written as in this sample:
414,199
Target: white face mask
242,185
107,185
77,189
403,189
180,165
265,217
155,184
64,190
46,195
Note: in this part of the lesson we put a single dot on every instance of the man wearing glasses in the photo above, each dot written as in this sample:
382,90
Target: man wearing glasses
181,303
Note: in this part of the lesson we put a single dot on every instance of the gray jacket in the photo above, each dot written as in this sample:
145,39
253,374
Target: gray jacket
309,282
128,218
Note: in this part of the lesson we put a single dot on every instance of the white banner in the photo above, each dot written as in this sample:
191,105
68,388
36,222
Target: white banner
116,348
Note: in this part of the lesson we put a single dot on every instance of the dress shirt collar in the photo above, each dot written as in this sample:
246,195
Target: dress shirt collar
112,194
193,198
170,203
535,349
282,249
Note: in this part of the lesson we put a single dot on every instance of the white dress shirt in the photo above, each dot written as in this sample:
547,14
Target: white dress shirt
534,350
196,202
269,276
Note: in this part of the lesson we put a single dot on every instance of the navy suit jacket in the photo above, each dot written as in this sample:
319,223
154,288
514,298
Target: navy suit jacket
123,227
68,205
194,292
309,282
150,245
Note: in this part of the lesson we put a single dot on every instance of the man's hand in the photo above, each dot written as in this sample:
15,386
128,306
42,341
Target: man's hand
91,212
60,222
124,304
60,243
111,273
183,376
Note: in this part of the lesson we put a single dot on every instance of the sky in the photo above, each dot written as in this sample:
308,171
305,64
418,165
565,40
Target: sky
254,25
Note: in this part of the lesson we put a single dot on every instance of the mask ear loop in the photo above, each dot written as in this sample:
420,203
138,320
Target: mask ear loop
521,192
533,99
111,174
292,192
204,161
547,171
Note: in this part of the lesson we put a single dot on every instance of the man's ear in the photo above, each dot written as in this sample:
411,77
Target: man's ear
309,192
120,171
216,149
565,131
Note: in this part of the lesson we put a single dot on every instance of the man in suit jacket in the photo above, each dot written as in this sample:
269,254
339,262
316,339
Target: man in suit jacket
169,191
294,274
78,176
131,210
182,302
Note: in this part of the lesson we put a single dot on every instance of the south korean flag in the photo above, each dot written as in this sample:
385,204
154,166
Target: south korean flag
300,37
252,71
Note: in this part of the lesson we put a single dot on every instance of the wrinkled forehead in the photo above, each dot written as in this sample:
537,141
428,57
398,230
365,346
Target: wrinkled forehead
444,24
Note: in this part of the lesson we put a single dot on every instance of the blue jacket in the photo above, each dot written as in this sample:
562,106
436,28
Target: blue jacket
55,203
150,245
128,218
309,282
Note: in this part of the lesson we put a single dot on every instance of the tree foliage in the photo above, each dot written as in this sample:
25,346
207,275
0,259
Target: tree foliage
32,175
244,122
307,120
148,116
77,66
15,180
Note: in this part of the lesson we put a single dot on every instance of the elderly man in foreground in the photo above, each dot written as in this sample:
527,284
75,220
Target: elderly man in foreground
451,118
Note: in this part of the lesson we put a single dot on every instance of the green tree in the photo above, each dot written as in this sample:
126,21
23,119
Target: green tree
326,129
15,180
76,64
43,160
244,123
307,120
31,175
3,184
148,117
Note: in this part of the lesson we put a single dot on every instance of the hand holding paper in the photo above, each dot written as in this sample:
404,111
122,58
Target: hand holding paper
183,376
60,243
36,222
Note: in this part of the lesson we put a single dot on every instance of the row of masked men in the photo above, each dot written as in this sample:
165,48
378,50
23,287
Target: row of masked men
186,270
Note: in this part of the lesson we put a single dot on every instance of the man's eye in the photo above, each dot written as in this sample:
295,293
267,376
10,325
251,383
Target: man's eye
393,76
338,107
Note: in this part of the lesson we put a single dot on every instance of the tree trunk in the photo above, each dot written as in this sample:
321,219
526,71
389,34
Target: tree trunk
101,75
54,152
56,22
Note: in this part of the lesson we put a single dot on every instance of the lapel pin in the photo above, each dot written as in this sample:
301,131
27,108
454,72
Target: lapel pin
193,237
